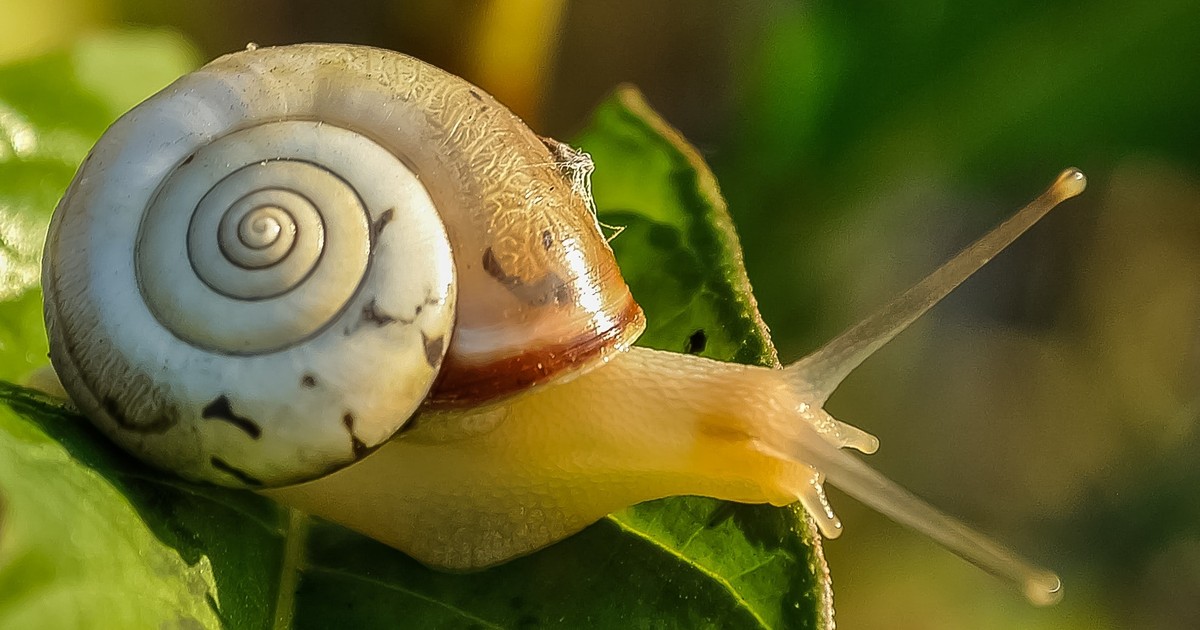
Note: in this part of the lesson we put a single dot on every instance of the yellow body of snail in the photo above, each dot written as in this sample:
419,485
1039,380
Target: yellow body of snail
297,257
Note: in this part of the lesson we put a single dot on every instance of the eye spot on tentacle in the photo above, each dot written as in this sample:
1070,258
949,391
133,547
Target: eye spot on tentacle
237,473
547,239
220,409
475,95
696,343
188,160
308,381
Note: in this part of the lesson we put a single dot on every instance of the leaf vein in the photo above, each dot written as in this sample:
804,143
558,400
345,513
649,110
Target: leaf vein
400,589
704,570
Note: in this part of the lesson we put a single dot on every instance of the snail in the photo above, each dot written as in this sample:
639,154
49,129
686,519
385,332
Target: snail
359,285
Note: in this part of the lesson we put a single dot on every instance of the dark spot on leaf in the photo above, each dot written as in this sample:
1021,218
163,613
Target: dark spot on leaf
236,473
433,349
520,607
696,343
360,449
309,381
220,409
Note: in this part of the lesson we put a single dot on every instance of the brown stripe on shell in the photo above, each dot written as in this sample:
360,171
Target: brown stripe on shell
356,445
221,409
461,384
237,473
550,289
371,313
384,219
433,349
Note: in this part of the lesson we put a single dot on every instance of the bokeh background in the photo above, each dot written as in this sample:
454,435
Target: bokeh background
1053,400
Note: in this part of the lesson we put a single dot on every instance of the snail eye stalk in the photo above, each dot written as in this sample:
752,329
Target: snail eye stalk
819,374
822,371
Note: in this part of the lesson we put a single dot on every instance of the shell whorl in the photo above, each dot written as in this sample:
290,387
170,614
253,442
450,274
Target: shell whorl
248,298
277,242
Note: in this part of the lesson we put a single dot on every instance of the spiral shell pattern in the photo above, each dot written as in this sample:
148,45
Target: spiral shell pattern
277,240
243,292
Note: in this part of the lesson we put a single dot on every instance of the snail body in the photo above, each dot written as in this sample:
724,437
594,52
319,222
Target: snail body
300,258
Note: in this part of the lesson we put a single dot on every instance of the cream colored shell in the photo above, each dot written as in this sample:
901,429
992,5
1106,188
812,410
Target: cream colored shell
242,292
262,272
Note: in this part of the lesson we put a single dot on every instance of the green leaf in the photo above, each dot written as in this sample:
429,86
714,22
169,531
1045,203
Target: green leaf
52,109
89,537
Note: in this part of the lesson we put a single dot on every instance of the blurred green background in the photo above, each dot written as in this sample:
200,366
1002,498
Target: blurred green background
1053,400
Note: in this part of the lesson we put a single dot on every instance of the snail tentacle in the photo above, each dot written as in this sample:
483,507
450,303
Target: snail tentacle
822,371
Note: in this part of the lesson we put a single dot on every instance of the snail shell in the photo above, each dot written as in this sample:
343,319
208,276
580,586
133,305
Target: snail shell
262,272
